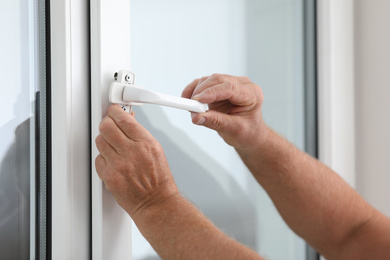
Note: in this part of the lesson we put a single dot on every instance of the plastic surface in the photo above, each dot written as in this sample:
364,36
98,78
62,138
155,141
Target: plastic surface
110,41
137,95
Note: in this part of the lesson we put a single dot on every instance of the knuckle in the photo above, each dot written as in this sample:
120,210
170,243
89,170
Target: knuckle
118,169
114,172
211,93
157,149
111,109
120,158
123,166
244,79
152,150
103,125
195,81
98,159
216,123
232,86
149,147
256,93
123,121
100,163
260,94
203,79
98,140
218,77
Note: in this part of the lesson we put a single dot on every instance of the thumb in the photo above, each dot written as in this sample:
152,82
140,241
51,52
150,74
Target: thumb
220,122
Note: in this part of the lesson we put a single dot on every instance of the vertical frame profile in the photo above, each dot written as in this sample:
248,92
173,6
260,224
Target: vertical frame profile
110,52
70,124
336,94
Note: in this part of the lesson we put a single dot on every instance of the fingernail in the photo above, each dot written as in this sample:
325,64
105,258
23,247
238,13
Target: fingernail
196,97
193,114
201,121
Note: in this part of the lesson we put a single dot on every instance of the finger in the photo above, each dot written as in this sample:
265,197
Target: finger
187,92
220,122
217,79
222,106
100,165
127,124
203,79
207,82
112,134
104,147
239,95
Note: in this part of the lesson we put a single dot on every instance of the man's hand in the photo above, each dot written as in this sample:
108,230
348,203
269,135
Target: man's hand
132,163
134,169
235,108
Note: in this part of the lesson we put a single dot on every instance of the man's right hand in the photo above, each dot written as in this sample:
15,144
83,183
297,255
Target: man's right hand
235,109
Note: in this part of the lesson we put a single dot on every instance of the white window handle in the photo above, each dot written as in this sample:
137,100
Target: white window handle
124,92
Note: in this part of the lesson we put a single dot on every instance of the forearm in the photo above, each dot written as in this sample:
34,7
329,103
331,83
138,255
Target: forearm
314,201
177,230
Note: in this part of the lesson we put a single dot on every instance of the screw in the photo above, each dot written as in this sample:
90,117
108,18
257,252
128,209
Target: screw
128,78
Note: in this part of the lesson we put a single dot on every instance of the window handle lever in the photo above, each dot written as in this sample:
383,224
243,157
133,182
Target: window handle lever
124,92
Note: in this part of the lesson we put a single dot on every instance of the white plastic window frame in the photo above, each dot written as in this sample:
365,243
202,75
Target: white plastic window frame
73,235
70,122
110,52
336,91
75,64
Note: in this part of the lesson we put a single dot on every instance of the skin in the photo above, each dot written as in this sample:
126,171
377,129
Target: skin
313,200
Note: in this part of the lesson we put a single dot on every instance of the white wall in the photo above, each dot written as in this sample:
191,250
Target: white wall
372,67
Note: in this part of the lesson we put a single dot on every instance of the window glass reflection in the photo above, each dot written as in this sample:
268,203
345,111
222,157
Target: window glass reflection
17,127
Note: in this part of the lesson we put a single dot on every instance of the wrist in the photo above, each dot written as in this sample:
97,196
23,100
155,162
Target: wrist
256,141
260,152
154,200
156,206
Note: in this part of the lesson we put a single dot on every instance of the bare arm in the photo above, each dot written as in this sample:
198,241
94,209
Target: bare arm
317,204
313,200
177,230
134,169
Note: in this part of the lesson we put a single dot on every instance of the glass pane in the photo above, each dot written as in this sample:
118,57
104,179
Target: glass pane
18,136
174,42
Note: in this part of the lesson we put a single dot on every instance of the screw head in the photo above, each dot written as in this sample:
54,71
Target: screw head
128,78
